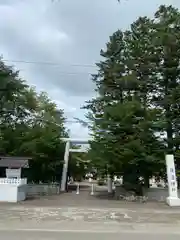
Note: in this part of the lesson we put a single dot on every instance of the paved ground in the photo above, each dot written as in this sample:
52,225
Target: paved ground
52,217
31,235
85,208
83,213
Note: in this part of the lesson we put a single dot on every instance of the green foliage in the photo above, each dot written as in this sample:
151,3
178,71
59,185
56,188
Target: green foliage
78,165
30,125
138,86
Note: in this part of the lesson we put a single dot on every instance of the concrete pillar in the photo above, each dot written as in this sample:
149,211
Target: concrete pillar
65,166
172,199
109,184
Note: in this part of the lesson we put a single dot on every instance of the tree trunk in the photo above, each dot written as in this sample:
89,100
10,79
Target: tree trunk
146,181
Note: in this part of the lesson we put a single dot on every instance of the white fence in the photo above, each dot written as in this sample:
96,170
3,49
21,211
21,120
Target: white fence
12,189
15,181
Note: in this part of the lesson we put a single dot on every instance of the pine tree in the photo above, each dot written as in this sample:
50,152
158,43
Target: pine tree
124,137
139,92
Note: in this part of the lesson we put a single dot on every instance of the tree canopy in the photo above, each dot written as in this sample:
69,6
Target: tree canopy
135,117
30,125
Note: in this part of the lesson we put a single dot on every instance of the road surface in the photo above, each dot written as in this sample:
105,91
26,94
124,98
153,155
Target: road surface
56,235
27,222
48,223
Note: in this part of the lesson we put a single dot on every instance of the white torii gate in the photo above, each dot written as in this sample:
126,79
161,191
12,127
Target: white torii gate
68,149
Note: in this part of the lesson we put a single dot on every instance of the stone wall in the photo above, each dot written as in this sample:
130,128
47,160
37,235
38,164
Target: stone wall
152,194
158,194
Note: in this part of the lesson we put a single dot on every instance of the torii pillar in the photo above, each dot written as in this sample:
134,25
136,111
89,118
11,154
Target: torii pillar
65,167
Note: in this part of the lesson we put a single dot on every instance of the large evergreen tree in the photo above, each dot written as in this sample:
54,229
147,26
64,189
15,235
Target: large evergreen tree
138,87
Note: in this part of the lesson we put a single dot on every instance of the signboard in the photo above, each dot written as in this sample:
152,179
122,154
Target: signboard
13,173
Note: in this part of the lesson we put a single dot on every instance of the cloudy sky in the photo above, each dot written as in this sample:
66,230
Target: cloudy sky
67,34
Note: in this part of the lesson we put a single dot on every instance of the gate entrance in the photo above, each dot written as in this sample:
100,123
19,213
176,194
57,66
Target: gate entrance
68,149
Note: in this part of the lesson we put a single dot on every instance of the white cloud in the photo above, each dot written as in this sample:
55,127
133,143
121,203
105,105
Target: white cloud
65,32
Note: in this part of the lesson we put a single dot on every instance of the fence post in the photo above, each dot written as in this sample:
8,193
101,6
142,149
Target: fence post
77,190
92,189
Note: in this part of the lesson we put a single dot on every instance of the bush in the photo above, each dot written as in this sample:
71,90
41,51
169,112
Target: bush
137,188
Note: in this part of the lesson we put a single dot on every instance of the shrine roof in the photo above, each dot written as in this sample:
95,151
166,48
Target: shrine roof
14,162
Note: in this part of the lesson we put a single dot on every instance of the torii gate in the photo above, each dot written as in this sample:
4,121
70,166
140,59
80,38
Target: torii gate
68,149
